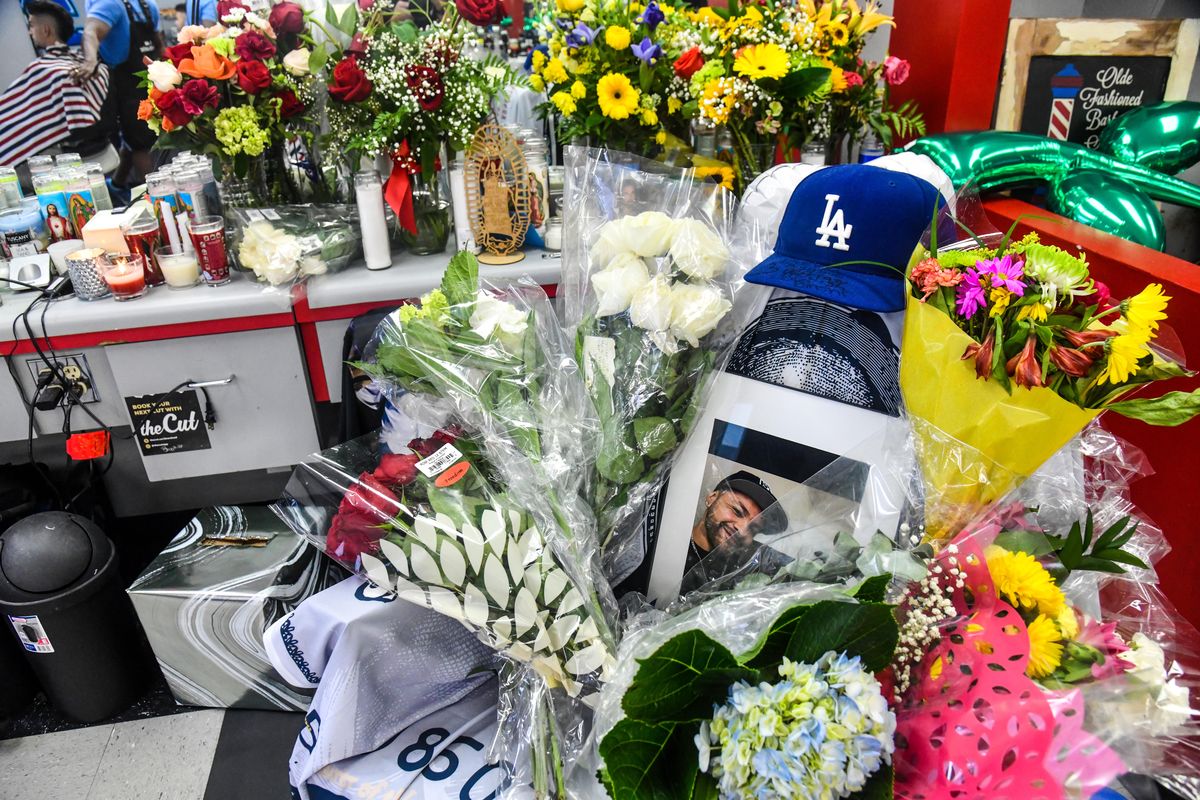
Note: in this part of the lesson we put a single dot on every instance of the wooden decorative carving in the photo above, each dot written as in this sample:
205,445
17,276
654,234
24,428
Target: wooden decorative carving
498,195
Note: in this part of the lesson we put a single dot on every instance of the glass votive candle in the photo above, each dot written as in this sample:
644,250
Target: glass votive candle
208,239
84,267
125,276
179,268
141,237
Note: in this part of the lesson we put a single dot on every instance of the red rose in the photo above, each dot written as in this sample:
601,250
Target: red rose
689,63
286,18
350,84
226,6
427,85
171,105
198,95
179,52
478,12
370,498
289,105
397,469
448,435
350,535
895,70
253,76
253,46
424,447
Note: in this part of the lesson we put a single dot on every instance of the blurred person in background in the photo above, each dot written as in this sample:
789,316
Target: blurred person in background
120,34
45,110
199,12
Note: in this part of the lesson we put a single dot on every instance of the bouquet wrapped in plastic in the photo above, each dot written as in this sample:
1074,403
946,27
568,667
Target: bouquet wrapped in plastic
766,692
1033,660
1010,348
651,268
287,244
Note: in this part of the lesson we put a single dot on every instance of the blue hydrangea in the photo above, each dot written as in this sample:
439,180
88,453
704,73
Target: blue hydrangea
817,734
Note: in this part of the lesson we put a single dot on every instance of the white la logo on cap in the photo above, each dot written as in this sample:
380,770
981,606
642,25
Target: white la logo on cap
834,224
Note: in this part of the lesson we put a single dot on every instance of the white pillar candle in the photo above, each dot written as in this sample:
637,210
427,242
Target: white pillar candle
169,224
464,236
368,192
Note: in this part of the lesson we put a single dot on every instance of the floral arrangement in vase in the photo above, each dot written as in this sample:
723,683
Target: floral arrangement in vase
238,90
405,93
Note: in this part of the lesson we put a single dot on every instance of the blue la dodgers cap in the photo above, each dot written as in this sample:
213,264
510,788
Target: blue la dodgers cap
841,226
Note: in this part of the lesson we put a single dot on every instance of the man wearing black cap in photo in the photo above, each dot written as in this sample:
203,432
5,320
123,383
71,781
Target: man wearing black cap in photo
737,508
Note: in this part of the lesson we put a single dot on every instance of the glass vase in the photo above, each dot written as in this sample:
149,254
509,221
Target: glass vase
431,210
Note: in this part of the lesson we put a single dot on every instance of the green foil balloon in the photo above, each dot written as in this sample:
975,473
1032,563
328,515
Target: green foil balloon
1109,204
1165,137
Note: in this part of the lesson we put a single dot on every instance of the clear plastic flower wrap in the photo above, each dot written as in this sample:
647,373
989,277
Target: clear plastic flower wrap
652,272
284,245
496,356
1038,656
682,707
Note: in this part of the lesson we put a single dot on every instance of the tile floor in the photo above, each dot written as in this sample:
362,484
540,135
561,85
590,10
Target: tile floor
205,754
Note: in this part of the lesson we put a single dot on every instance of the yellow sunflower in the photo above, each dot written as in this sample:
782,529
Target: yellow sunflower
1022,581
616,37
1145,309
564,103
1045,647
839,34
722,175
618,99
758,61
1124,352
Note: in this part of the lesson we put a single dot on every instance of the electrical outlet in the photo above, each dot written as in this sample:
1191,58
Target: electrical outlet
74,367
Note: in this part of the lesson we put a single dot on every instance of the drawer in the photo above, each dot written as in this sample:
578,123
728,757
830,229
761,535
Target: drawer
264,416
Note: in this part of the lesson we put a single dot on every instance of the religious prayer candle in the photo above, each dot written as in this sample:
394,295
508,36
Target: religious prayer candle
368,191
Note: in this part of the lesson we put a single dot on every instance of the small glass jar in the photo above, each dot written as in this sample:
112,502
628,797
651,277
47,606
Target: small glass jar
208,241
704,138
179,267
142,237
554,234
68,160
124,275
813,153
99,184
161,188
534,149
84,267
368,194
212,190
39,165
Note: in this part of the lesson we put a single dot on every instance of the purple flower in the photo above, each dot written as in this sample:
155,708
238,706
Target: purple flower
647,51
581,36
651,16
971,295
1004,272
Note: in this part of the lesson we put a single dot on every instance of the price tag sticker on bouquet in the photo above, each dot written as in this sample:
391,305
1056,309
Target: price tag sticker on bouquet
446,466
168,423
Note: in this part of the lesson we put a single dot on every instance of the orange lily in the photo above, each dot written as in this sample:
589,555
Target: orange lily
207,63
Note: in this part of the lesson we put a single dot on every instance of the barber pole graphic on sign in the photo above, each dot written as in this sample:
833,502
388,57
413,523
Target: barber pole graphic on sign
1064,87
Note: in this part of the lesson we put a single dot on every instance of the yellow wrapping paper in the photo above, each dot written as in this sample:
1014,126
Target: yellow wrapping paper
974,441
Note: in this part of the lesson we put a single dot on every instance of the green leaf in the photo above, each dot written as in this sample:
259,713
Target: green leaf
880,786
461,281
1171,409
649,762
318,58
706,788
406,32
655,436
682,680
802,83
868,630
349,20
1032,542
874,589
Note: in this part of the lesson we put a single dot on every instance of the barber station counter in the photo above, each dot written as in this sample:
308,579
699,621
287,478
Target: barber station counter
265,357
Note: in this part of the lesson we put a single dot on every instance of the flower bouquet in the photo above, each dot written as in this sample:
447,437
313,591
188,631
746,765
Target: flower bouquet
284,244
403,93
648,295
767,693
1028,349
239,90
1008,676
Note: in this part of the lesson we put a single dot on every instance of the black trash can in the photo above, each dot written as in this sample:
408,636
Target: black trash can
62,594
18,687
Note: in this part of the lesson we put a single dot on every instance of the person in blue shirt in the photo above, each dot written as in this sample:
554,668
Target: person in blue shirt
201,12
121,33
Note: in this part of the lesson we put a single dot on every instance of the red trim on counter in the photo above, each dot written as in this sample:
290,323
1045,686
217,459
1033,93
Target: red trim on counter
153,333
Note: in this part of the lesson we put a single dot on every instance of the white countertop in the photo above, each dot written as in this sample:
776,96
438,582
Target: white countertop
412,276
408,277
241,297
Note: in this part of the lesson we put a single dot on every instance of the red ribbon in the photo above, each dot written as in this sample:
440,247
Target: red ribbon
399,195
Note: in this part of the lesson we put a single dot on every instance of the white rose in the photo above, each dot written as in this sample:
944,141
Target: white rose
276,272
163,75
494,318
609,244
296,62
698,250
651,307
649,234
618,283
695,311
